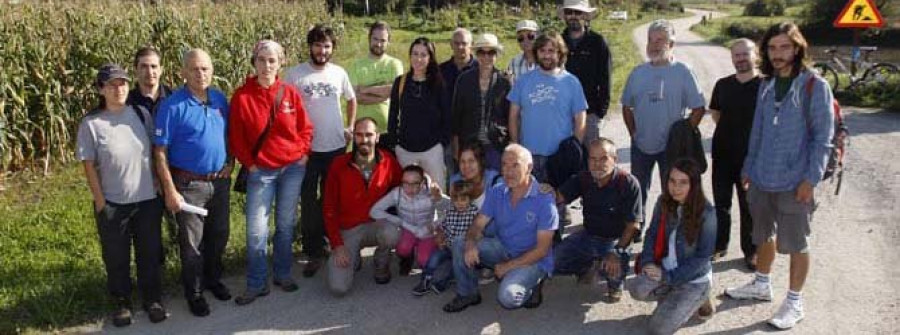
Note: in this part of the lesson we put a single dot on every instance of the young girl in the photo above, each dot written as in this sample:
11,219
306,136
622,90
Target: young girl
459,216
675,267
416,215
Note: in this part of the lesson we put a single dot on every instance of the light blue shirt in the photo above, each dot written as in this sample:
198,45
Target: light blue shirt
659,96
517,227
783,153
548,105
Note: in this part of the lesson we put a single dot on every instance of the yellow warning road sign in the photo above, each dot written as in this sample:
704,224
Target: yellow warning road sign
859,14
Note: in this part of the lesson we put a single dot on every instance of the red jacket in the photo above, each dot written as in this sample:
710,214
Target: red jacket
348,198
290,136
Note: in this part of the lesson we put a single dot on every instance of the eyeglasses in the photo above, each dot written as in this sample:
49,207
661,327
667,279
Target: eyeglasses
530,37
571,12
482,52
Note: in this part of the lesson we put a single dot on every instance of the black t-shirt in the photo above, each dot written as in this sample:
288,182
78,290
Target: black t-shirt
736,103
606,209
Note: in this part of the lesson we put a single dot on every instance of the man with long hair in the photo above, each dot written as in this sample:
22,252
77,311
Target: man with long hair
789,147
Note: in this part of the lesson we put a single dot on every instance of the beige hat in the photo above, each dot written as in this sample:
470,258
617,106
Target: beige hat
527,25
488,41
579,5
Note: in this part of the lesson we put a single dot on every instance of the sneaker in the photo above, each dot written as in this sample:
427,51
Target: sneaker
423,287
198,306
460,303
536,298
485,276
614,295
406,264
220,291
156,312
286,284
250,295
752,290
122,316
312,266
706,311
787,315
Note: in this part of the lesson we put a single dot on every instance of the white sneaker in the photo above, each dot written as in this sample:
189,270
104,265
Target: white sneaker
752,290
787,315
485,276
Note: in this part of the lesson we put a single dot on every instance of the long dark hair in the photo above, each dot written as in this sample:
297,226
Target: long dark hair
477,150
801,59
432,72
694,204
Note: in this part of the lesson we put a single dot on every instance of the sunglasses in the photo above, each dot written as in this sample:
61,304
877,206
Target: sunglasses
481,52
530,37
571,12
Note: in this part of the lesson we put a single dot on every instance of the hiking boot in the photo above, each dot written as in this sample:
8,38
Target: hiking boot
312,266
614,295
536,298
406,264
485,276
220,291
460,303
706,311
198,306
423,287
787,315
156,312
752,290
250,295
122,316
287,284
382,275
589,277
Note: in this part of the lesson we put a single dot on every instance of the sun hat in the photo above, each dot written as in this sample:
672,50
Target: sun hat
526,25
487,41
579,5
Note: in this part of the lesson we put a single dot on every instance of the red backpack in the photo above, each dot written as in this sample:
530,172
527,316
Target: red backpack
839,142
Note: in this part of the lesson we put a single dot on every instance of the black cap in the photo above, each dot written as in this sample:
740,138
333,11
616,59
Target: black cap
109,72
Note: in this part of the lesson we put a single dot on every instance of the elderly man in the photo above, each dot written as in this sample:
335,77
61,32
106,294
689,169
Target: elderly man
611,201
149,91
732,104
589,60
355,182
194,168
322,85
526,32
655,97
790,143
373,75
462,59
524,220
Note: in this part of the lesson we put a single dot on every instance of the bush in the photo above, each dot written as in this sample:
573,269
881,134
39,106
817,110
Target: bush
765,8
753,31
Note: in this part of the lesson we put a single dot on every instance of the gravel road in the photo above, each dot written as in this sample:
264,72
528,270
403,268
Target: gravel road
852,288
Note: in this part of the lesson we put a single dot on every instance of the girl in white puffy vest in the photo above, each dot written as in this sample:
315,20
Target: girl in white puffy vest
416,201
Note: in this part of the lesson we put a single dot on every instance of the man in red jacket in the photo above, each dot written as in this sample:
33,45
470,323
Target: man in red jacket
355,181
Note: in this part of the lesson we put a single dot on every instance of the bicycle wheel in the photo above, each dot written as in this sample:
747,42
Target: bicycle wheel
830,75
876,77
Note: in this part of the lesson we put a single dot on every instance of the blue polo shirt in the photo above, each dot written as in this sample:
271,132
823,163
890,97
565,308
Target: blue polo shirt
194,133
548,105
517,227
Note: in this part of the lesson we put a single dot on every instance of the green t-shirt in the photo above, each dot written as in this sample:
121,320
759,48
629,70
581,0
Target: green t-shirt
370,72
782,86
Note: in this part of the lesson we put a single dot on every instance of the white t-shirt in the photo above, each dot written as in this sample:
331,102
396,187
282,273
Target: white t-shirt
321,90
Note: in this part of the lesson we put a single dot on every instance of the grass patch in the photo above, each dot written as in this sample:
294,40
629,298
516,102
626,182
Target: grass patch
51,271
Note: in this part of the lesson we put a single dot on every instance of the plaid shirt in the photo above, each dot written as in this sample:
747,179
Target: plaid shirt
456,223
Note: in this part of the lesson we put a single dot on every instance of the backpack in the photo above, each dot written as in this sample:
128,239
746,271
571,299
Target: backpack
839,142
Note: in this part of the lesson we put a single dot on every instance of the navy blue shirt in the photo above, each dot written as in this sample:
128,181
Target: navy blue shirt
193,132
608,208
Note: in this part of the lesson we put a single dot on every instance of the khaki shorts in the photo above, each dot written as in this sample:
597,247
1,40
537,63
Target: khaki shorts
780,215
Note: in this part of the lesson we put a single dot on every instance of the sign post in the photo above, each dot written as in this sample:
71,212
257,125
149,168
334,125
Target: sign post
858,14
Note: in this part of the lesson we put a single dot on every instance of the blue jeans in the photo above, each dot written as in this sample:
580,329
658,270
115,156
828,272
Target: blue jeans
282,184
675,304
515,287
642,169
577,252
440,267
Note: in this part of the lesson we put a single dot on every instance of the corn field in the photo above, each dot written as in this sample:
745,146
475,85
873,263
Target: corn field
49,53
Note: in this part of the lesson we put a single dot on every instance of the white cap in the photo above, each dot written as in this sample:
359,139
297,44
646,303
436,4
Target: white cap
526,25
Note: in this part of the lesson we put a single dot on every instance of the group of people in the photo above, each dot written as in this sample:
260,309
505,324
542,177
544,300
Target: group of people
460,168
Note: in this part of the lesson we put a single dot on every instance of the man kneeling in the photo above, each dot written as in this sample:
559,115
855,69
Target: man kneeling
524,220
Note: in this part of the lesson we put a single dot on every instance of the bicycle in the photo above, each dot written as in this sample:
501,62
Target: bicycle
877,73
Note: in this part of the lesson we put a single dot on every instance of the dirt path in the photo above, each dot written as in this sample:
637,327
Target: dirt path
852,289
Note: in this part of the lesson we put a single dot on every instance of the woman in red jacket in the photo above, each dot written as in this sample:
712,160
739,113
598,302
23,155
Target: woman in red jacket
269,134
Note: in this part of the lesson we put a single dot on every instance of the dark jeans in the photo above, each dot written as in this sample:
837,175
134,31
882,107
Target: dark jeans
726,177
579,250
440,267
312,224
120,225
642,169
201,239
539,171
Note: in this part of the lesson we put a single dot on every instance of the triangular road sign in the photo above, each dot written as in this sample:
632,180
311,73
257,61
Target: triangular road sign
859,14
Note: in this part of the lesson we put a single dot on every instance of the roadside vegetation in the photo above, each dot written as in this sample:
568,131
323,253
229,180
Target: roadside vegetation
51,273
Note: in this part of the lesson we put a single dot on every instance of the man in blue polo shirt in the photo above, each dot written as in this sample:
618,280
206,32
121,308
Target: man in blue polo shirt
611,201
524,221
194,168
